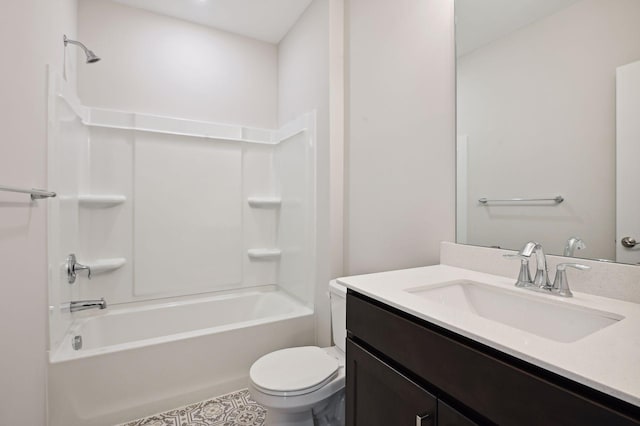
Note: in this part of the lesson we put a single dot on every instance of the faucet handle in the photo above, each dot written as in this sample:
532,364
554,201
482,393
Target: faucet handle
524,277
73,267
80,267
560,283
579,266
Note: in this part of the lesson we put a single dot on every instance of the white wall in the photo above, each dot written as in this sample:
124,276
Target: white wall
303,85
165,66
400,137
538,108
337,134
35,28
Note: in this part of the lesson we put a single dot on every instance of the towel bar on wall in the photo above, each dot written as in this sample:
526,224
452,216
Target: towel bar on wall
557,200
36,194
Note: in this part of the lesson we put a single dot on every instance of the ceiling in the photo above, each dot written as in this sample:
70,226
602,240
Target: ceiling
266,20
479,22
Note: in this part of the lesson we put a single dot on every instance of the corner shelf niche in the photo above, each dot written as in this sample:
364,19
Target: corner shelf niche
265,202
264,253
94,200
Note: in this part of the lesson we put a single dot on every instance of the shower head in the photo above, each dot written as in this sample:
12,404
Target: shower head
91,57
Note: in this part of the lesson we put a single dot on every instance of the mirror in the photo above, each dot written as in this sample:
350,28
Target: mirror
548,106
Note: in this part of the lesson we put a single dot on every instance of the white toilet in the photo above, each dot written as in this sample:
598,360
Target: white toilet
296,384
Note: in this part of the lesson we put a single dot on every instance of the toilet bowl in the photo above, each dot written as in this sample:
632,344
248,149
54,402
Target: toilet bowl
296,385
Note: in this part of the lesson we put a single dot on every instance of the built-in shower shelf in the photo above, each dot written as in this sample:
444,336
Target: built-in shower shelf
264,253
93,200
102,266
264,202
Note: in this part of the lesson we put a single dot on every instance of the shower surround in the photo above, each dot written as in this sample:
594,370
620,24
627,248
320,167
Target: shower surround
201,237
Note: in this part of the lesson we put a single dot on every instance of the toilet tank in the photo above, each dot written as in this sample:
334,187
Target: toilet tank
338,296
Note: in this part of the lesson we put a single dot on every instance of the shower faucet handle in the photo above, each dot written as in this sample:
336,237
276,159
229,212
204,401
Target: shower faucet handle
73,267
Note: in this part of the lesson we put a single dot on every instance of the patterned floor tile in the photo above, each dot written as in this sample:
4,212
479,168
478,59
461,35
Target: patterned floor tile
234,409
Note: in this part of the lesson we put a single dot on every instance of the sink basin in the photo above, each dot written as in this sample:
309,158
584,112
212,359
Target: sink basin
551,319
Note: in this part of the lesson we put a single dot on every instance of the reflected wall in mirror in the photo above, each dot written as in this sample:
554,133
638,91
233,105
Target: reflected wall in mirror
548,95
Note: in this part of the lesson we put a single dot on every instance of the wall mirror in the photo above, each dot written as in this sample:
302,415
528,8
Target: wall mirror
548,126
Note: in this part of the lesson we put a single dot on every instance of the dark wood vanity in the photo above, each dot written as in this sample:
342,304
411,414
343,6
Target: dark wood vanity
402,370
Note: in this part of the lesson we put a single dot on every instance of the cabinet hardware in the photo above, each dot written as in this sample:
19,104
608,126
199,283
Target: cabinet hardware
424,419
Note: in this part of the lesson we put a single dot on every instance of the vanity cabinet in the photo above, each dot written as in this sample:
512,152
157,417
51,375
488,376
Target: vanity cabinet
378,394
402,370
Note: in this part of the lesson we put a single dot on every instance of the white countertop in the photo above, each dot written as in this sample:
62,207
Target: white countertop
607,360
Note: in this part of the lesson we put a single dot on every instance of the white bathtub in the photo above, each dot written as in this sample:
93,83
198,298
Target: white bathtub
143,359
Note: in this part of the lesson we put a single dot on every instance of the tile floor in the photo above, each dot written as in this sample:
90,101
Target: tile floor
234,409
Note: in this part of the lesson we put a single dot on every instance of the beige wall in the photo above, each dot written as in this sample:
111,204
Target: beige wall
538,109
159,65
400,191
34,31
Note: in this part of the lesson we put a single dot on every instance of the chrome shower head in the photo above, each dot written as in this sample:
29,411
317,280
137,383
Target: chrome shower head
91,57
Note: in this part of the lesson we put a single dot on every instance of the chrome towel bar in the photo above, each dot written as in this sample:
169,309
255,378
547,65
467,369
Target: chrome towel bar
36,194
556,200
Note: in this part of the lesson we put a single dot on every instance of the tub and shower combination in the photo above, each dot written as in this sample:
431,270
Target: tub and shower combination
199,283
143,359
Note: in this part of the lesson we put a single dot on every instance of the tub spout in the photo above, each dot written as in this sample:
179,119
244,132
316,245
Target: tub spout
82,305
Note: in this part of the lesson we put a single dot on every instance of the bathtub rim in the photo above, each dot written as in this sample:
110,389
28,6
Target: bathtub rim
64,353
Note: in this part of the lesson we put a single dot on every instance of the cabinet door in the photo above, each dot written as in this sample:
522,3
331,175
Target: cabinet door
447,416
378,395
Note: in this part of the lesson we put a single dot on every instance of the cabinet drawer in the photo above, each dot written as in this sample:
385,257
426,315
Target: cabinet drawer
501,392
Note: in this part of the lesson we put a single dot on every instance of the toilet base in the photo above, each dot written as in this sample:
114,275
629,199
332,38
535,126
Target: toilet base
328,413
287,418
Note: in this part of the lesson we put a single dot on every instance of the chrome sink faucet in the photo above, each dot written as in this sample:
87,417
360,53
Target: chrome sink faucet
560,286
573,244
83,305
541,278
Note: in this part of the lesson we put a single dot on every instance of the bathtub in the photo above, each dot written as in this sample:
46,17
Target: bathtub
141,359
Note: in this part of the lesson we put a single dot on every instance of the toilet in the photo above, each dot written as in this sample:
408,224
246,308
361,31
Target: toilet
297,384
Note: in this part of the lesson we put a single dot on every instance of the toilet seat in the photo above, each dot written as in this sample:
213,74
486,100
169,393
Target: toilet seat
294,371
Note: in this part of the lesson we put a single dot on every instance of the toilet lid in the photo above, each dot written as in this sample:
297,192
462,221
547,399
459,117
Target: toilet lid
293,371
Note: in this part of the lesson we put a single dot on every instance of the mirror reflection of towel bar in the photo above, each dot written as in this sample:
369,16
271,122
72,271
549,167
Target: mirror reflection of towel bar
556,200
36,194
